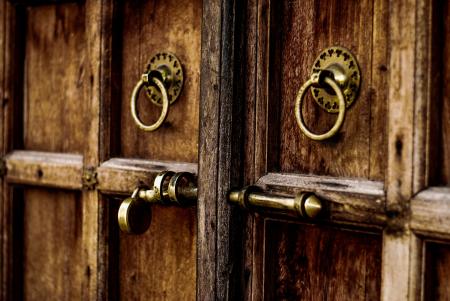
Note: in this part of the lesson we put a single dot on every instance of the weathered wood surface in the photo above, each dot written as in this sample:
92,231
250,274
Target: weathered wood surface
345,200
149,27
430,212
398,243
427,98
349,263
11,117
45,169
56,76
119,175
208,168
5,234
91,79
437,281
401,267
359,148
53,246
219,246
161,263
95,22
57,57
445,111
277,67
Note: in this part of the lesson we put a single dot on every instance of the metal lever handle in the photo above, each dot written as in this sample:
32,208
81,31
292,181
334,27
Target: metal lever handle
169,188
304,204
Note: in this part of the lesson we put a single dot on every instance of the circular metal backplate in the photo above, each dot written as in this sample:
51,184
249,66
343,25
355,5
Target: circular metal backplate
168,62
342,59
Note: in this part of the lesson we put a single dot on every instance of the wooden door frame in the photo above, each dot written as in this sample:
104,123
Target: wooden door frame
109,175
219,245
414,211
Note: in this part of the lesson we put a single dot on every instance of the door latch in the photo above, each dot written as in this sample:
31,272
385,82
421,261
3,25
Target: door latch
304,204
169,188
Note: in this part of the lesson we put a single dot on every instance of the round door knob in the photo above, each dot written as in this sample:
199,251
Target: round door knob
135,215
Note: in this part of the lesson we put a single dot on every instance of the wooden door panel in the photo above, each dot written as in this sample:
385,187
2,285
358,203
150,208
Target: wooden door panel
160,264
54,110
55,78
319,259
443,73
317,262
432,215
52,245
150,27
437,282
300,31
67,93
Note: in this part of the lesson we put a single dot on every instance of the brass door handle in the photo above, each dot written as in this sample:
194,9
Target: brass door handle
304,204
335,81
163,82
169,188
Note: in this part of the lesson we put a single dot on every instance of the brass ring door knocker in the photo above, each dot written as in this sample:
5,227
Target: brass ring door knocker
334,83
163,82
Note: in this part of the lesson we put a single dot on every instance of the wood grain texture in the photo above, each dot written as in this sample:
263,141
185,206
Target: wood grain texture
427,98
150,27
437,282
94,23
208,151
160,264
52,241
345,200
395,267
401,103
309,262
12,137
220,226
3,258
121,176
44,169
445,111
359,148
430,212
399,245
55,78
251,48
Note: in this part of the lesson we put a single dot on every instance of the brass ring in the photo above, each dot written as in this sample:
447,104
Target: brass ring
165,105
298,108
174,186
160,186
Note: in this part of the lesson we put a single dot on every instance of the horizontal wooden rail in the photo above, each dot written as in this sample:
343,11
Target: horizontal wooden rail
430,212
44,169
348,200
65,171
121,176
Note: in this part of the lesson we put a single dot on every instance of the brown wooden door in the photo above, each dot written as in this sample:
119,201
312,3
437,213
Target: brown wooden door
72,151
384,232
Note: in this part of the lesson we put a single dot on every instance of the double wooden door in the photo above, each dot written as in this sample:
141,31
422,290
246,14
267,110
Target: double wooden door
71,151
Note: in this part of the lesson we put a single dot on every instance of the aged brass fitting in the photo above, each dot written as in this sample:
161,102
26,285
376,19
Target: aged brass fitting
304,204
169,188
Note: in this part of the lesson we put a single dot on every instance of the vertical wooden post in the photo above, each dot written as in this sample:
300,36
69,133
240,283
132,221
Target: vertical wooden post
219,259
